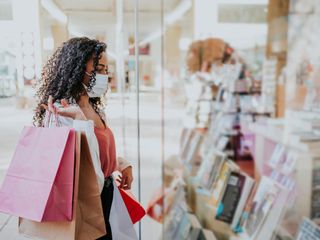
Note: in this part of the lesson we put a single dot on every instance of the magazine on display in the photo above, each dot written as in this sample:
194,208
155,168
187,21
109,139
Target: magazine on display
172,222
222,143
315,200
245,194
210,169
308,230
178,209
235,198
277,155
214,138
189,227
219,187
263,201
288,166
186,143
284,180
185,137
218,160
275,215
191,150
231,197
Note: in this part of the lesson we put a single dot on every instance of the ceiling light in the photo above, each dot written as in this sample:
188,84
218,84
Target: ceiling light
54,11
169,19
151,37
178,12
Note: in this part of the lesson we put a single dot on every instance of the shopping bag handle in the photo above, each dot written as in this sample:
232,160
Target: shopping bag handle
47,120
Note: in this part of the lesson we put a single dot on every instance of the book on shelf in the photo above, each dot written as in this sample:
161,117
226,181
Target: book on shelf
184,137
172,222
210,168
192,150
315,200
308,230
222,143
228,205
176,212
221,183
245,193
190,227
315,204
185,143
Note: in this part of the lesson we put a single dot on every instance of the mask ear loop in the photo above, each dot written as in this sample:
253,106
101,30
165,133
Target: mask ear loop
88,74
85,86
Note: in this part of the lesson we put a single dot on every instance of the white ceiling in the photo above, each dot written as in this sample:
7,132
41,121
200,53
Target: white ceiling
109,5
98,17
83,5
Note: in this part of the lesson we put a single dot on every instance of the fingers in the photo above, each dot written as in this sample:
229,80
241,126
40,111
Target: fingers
123,182
51,107
129,182
44,106
65,112
126,182
119,179
64,103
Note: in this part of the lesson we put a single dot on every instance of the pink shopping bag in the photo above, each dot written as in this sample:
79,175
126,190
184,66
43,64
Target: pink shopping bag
39,182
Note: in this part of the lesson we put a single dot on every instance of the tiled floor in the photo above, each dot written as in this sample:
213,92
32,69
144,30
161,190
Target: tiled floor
12,121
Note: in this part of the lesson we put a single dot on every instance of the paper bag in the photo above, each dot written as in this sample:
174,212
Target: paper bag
39,182
88,221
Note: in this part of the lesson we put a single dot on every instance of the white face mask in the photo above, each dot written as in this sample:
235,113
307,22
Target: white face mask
100,87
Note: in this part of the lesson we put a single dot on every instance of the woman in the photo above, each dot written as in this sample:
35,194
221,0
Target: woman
203,81
198,87
73,82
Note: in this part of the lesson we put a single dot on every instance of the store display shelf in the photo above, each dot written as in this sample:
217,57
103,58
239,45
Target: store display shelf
277,135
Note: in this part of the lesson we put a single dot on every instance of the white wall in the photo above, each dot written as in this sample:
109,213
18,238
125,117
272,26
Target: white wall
240,36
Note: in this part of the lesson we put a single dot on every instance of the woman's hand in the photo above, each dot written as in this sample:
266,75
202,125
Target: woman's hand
126,178
73,112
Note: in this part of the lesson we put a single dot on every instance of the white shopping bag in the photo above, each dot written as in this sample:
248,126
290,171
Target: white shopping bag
120,221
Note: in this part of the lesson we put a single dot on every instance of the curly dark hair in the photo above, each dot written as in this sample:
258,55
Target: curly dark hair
63,73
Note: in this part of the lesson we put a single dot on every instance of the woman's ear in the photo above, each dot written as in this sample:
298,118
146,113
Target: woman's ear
86,80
